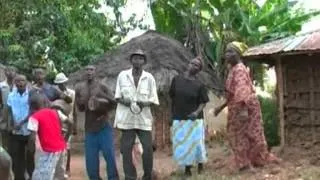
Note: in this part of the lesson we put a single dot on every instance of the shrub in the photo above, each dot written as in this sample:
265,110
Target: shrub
270,120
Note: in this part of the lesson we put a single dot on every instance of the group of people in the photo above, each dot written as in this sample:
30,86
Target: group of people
45,114
36,126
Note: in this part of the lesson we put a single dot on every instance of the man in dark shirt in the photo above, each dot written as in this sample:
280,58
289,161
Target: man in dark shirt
41,86
96,101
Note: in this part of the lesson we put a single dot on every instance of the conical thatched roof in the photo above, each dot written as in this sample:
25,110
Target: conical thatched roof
166,58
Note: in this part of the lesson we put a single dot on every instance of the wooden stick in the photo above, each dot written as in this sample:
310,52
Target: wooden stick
279,74
284,80
311,101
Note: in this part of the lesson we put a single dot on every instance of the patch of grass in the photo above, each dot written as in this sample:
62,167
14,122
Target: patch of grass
270,120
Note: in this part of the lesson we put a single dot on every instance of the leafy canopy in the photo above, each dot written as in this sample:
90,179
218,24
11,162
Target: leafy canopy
66,32
206,26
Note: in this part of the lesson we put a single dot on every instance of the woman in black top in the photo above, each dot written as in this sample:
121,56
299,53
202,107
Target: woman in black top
189,97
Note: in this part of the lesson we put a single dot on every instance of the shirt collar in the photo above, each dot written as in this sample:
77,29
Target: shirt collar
15,90
143,74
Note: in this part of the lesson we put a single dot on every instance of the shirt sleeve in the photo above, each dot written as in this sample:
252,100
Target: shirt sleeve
33,124
203,95
154,95
62,116
72,94
56,93
9,100
117,94
172,87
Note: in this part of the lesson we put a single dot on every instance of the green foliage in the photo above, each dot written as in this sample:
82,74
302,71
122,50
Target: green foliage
73,30
206,26
270,120
168,20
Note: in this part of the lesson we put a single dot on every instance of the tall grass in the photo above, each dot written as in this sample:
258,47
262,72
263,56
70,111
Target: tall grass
270,120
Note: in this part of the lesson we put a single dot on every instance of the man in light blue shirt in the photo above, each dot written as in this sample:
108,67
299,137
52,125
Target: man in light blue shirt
18,107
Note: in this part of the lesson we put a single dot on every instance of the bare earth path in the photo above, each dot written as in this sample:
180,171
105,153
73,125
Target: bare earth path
162,162
296,165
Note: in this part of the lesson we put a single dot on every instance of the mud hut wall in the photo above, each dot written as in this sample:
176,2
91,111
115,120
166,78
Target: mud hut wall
301,86
162,117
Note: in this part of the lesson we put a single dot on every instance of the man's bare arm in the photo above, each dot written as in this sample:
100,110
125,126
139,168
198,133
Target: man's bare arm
64,96
75,121
78,102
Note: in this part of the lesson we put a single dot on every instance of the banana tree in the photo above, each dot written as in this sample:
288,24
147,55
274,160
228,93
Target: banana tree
206,26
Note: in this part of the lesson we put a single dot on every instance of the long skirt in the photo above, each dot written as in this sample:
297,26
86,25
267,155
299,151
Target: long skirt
49,166
188,138
246,135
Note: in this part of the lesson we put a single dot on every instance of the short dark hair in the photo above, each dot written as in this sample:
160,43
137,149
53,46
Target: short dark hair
90,66
21,76
12,68
37,101
37,70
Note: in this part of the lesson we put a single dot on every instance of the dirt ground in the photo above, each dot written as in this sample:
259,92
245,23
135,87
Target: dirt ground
297,165
162,162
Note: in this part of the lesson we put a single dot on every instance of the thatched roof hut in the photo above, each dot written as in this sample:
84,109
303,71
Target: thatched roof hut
166,58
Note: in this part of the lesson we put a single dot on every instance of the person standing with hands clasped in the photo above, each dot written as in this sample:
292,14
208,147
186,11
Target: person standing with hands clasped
135,92
189,97
18,108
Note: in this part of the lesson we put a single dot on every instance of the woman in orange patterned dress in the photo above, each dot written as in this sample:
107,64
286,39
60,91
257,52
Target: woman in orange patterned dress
244,126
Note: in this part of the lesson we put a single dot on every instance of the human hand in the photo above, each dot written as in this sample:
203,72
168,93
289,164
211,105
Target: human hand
125,101
18,126
66,98
74,131
143,104
217,111
193,115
